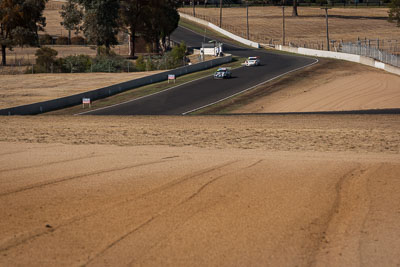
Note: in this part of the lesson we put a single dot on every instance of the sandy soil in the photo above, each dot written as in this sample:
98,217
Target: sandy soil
347,86
214,191
16,90
208,191
347,24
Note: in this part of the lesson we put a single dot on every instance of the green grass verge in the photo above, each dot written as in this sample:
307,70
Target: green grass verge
144,90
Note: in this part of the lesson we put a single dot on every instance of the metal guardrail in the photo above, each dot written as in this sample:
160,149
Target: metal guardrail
372,52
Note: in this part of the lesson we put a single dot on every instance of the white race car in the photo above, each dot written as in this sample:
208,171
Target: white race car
252,61
222,73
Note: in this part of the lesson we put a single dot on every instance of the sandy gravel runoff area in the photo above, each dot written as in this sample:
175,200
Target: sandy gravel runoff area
295,190
331,85
361,91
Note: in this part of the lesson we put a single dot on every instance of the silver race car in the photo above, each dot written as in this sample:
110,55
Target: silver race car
222,73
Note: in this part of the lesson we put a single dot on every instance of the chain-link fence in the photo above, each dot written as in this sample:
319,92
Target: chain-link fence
372,52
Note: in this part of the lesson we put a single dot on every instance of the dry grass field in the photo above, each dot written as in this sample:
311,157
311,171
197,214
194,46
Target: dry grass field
53,18
347,24
25,56
41,87
200,191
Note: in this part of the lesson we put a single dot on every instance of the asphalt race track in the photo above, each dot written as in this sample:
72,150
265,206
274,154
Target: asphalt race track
199,93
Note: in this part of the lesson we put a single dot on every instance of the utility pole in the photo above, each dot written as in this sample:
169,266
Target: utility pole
220,13
327,28
247,16
283,25
194,11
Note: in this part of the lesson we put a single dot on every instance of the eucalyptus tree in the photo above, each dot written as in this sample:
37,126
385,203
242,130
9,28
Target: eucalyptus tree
133,13
101,22
20,21
394,12
169,21
160,21
72,16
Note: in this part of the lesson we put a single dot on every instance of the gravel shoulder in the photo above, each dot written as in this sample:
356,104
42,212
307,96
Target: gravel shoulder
343,86
213,190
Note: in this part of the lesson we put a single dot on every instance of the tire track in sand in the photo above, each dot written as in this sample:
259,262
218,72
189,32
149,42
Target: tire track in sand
340,242
192,214
21,240
49,163
74,177
168,211
25,150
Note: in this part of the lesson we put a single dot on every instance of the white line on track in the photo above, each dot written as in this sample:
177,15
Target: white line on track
132,100
82,113
245,90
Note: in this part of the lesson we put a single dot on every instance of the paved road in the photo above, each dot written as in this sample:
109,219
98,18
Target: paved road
196,94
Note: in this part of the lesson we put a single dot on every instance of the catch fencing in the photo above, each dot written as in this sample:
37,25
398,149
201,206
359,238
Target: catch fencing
372,52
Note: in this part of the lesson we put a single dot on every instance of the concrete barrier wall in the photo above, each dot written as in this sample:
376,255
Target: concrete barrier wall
328,54
45,106
220,30
191,18
392,69
343,56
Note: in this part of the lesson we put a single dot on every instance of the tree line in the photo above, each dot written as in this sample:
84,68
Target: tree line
100,21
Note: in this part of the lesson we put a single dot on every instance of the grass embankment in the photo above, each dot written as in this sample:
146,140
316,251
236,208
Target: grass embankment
143,91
